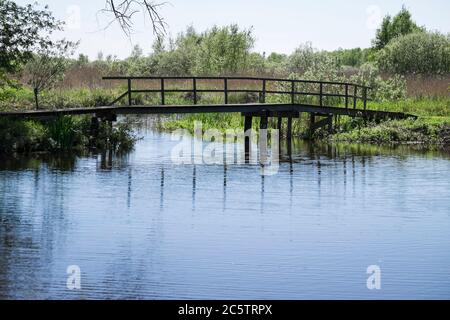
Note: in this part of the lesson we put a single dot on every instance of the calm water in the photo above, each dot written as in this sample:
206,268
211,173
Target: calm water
139,226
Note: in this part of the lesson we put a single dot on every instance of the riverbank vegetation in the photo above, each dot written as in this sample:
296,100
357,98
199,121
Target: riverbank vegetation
63,134
408,68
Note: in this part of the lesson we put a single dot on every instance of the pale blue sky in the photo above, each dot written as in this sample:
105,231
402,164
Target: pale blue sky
278,25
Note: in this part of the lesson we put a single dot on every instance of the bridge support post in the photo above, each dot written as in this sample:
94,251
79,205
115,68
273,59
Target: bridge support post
95,126
312,122
247,127
264,123
289,130
330,123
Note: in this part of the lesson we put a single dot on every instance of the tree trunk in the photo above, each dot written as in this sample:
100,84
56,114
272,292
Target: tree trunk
36,98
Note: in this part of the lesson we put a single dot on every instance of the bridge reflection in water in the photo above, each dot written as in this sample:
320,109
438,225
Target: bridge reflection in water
292,154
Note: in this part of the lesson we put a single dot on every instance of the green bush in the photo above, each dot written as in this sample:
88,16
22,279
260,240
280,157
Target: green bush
420,53
397,131
21,136
65,133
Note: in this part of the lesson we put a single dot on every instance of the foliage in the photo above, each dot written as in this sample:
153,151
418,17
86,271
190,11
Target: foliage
391,89
352,57
400,25
398,131
24,29
220,50
21,136
48,66
305,58
422,53
66,133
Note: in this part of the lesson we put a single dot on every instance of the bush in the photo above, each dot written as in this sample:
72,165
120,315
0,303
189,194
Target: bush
391,89
397,131
21,136
65,133
420,53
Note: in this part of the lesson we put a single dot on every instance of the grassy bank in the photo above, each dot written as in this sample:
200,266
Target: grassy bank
62,134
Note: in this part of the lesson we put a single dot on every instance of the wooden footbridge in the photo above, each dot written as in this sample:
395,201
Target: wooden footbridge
260,97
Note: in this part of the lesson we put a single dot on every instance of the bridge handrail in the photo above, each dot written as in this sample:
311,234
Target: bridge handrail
263,91
233,78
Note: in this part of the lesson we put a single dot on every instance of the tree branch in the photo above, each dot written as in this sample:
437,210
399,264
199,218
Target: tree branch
123,12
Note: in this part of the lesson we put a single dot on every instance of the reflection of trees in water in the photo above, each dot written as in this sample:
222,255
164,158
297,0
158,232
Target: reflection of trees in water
31,216
9,234
54,161
19,248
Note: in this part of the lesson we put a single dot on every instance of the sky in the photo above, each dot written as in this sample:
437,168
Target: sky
279,26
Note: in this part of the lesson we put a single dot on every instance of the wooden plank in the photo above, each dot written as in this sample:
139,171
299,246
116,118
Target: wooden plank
293,92
321,95
129,92
263,100
194,84
225,89
163,98
324,122
346,96
230,108
272,114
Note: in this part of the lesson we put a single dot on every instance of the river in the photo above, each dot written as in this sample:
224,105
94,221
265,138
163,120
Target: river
139,226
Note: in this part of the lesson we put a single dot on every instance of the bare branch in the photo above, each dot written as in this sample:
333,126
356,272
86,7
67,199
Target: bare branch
123,12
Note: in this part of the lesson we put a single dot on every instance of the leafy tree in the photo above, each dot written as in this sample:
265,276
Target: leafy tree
276,58
220,50
304,58
419,53
48,66
224,50
82,60
24,29
401,24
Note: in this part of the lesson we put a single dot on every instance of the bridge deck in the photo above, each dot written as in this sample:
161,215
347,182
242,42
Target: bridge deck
257,108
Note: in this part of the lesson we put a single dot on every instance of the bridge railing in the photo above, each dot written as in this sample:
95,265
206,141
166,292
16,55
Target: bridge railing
349,92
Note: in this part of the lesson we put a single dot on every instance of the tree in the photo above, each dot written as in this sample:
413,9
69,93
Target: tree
304,58
24,29
419,53
48,66
401,24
